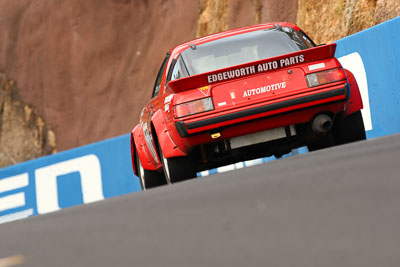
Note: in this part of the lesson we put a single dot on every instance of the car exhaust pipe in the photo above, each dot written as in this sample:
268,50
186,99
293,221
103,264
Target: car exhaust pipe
322,124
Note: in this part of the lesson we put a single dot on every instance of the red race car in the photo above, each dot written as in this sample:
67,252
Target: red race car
243,94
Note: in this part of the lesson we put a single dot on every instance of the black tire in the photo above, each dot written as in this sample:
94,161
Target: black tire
178,169
148,179
349,129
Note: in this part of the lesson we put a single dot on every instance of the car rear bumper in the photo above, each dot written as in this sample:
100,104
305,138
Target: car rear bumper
340,93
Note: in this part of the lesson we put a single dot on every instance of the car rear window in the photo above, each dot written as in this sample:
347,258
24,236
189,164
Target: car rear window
243,48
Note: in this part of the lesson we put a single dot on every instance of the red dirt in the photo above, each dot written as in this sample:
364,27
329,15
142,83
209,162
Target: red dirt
89,66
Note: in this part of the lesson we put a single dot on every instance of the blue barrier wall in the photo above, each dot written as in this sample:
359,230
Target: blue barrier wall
82,175
103,170
378,48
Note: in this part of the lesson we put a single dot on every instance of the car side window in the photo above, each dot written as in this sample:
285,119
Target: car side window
157,83
178,70
307,41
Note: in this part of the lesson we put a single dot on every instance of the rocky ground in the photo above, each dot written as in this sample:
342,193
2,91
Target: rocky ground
84,68
328,21
23,133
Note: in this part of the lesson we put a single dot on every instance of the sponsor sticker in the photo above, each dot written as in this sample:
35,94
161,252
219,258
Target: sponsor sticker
205,90
222,104
240,72
316,66
264,89
168,99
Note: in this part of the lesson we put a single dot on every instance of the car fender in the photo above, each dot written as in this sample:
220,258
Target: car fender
355,102
167,145
138,143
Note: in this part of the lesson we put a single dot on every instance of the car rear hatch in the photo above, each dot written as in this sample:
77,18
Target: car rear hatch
259,89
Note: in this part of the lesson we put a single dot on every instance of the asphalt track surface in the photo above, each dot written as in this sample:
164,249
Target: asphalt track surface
335,207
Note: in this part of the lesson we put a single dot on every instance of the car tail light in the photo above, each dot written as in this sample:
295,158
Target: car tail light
324,77
193,107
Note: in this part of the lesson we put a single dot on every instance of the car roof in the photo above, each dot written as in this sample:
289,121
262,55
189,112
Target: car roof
212,37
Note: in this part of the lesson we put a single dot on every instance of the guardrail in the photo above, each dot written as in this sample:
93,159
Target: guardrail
103,170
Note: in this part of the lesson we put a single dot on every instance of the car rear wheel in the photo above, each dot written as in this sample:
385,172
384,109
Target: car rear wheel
349,129
148,179
178,169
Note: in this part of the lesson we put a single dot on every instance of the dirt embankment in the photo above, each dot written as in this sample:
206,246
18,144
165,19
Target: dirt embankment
88,67
220,15
327,21
23,133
